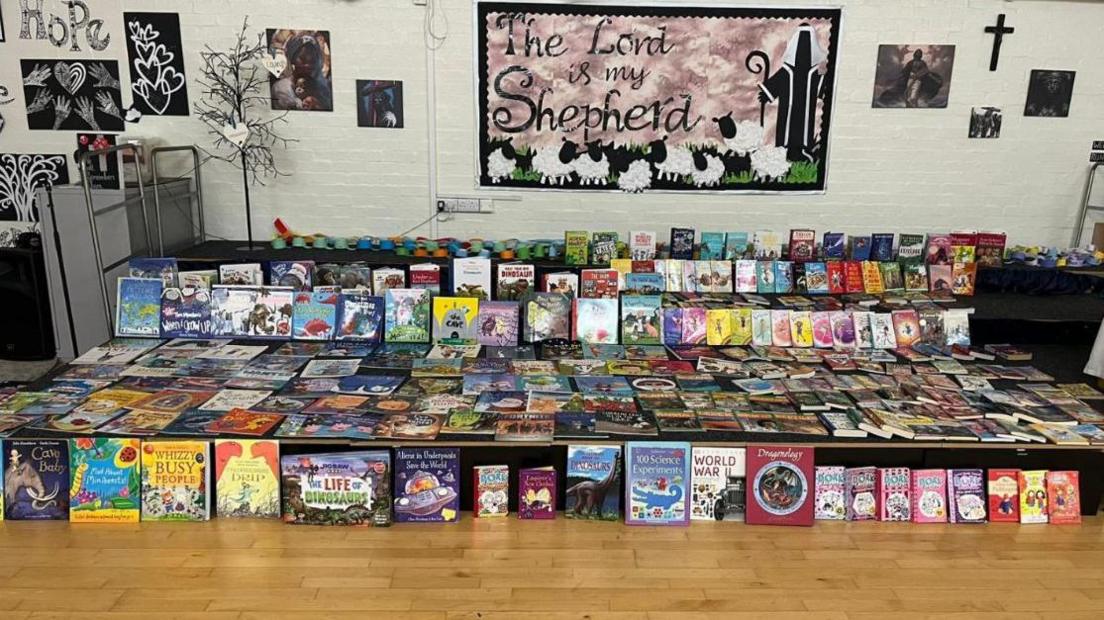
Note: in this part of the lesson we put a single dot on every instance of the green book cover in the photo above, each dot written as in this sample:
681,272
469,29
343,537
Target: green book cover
576,244
910,248
712,246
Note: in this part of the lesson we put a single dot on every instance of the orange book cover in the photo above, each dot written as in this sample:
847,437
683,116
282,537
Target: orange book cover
244,422
1064,493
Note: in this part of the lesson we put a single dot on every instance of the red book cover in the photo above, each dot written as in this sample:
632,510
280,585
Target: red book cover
1004,495
598,284
780,481
853,276
939,250
990,249
836,278
244,422
643,266
1064,495
802,245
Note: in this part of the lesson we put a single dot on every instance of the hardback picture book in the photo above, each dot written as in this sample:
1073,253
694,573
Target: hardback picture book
244,274
454,318
348,276
496,323
164,269
564,283
862,493
359,317
598,283
830,493
252,311
642,245
780,485
537,493
296,274
966,496
138,307
640,319
36,479
595,320
545,316
514,281
929,496
247,478
345,488
1033,496
186,313
427,484
175,481
718,484
1063,497
657,483
407,315
593,483
491,491
202,278
1004,495
894,484
576,247
645,283
314,315
105,480
471,277
682,243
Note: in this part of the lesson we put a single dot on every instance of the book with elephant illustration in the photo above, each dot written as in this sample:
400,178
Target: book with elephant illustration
657,479
593,483
36,477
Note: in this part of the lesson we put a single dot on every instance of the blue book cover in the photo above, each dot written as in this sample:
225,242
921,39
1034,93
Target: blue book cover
293,273
407,315
359,316
593,483
657,483
36,479
138,307
672,326
186,313
314,315
645,283
881,247
783,277
682,243
736,245
427,484
608,385
816,278
835,246
641,319
368,385
163,269
860,248
764,276
712,246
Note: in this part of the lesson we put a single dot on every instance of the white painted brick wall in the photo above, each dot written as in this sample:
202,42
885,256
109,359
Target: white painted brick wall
901,170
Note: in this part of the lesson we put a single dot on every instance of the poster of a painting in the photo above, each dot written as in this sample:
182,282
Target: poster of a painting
306,82
1049,93
985,122
913,76
379,103
636,98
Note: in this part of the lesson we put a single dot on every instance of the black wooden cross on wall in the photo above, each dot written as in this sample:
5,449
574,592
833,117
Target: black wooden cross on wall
998,33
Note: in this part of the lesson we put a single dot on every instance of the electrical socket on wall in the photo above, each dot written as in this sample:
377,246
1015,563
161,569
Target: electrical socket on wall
464,205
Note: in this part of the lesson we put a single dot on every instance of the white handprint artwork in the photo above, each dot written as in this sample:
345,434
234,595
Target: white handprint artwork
154,78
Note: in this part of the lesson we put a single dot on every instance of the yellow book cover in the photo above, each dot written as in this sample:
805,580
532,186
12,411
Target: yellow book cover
105,480
247,478
718,323
872,278
622,266
454,318
175,483
801,328
741,326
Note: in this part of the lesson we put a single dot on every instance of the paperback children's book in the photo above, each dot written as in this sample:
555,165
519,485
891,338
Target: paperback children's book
384,278
746,279
802,245
407,315
427,484
712,246
718,484
454,318
515,280
644,283
247,475
138,307
657,482
252,311
963,278
834,246
989,251
642,245
496,323
296,274
546,316
682,243
963,247
910,248
862,493
1004,495
1033,496
36,479
186,313
966,497
767,244
603,247
860,248
346,488
314,315
906,327
163,269
245,274
939,250
783,277
471,277
576,247
640,319
598,283
491,491
816,278
780,485
359,317
175,481
593,483
893,485
348,276
929,496
1063,497
537,493
830,493
427,276
202,278
105,480
595,320
881,247
764,276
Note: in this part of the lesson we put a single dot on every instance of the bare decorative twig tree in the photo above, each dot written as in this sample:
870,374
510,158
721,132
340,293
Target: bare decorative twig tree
231,98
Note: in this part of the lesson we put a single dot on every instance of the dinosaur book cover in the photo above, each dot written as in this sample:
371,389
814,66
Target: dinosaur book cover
347,488
427,484
593,483
780,485
36,475
247,478
657,483
104,480
175,483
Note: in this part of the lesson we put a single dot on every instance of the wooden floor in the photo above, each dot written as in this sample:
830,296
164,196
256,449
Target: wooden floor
553,570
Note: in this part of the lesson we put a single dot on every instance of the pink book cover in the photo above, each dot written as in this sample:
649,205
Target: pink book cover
862,497
822,330
780,328
693,325
537,493
929,496
894,484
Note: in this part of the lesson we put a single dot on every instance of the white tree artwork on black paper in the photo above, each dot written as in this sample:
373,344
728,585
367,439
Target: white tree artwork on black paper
231,105
156,63
21,174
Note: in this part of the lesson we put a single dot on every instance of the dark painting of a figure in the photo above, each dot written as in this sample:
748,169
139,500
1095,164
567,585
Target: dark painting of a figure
379,103
307,81
913,76
1049,93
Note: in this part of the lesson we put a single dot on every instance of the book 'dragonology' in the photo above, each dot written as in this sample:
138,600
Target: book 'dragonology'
780,480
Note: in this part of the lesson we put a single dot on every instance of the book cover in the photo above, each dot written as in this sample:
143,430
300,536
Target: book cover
407,315
801,328
36,477
360,317
642,245
564,283
164,269
546,316
657,479
837,283
186,313
929,496
603,247
1033,496
252,311
816,278
247,478
346,488
515,280
834,246
105,480
780,328
644,283
293,273
537,493
910,248
894,484
966,496
203,278
718,484
427,484
576,247
830,491
915,277
963,247
822,330
853,277
1064,497
860,248
426,276
175,481
881,247
384,278
245,274
872,278
491,491
783,277
963,278
454,318
244,422
940,277
780,485
593,483
939,250
862,493
138,307
497,323
640,319
1004,495
761,328
989,251
598,284
712,246
802,245
348,276
767,244
763,278
314,315
746,276
682,243
736,245
595,320
892,279
471,277
906,327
